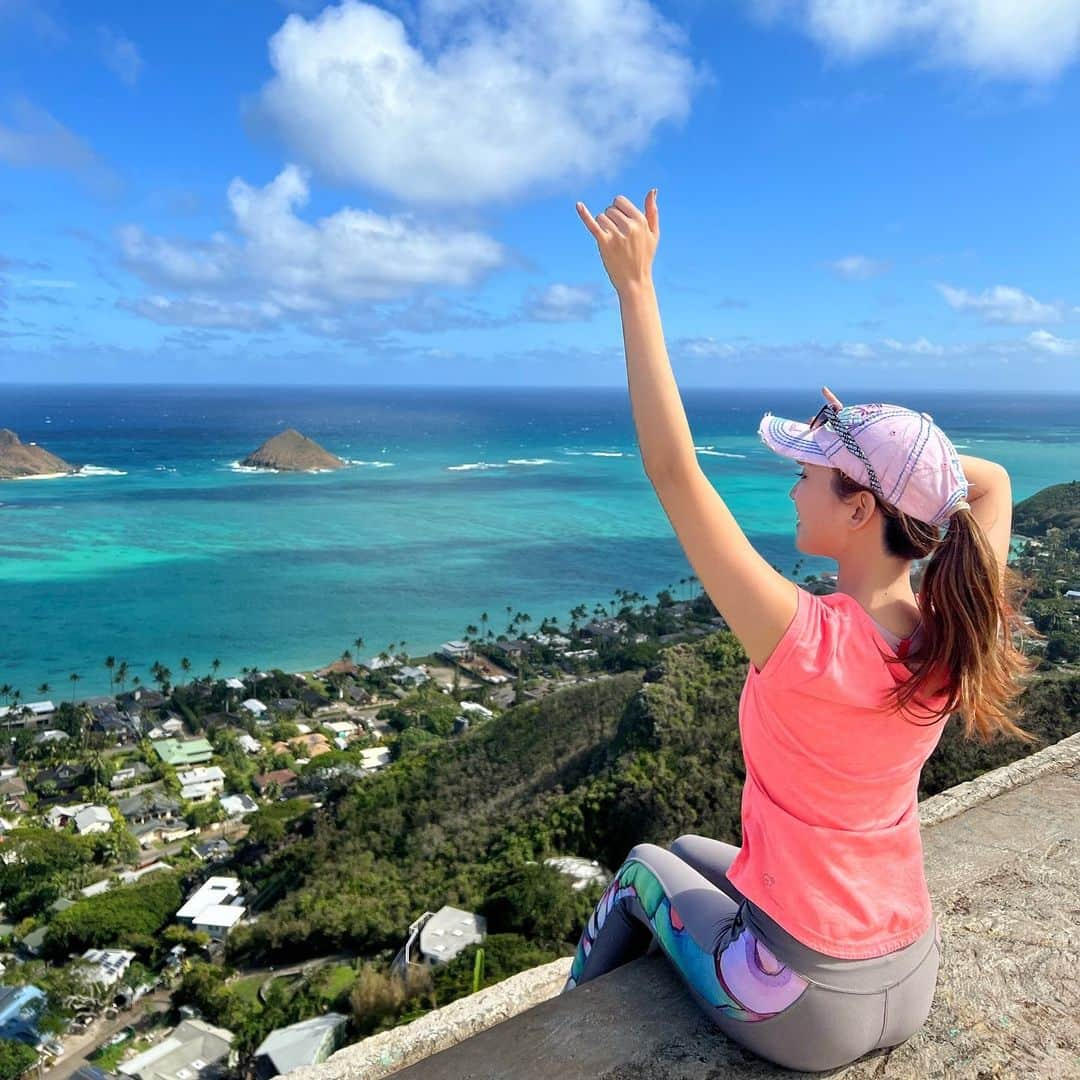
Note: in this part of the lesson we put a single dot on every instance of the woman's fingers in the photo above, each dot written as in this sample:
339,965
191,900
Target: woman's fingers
591,223
652,212
621,202
623,222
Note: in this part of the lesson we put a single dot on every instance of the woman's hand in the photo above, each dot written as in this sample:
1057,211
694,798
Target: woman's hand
627,239
829,397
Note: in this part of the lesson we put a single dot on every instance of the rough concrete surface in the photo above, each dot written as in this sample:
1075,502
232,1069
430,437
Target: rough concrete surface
1004,873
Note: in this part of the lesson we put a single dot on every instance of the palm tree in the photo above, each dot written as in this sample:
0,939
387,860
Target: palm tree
185,665
110,665
74,677
6,691
135,681
44,689
215,664
162,677
122,674
359,643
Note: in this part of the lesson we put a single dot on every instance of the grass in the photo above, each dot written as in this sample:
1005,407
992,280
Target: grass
335,982
248,989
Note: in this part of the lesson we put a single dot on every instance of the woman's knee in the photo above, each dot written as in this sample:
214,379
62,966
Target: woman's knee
644,852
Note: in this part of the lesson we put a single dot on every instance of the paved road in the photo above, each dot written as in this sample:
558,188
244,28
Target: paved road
76,1047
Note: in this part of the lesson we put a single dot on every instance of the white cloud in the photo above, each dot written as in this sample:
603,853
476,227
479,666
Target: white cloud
276,265
561,303
1026,39
487,101
858,267
705,348
918,347
121,55
33,138
1003,304
1046,342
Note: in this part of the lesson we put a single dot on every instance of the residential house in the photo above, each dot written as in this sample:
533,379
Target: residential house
32,714
148,804
582,872
238,805
213,850
200,784
58,817
33,942
455,650
20,1010
160,831
93,819
215,891
13,793
129,774
475,707
437,937
183,754
374,757
194,1051
215,907
412,675
249,743
254,706
62,779
284,780
310,1042
51,735
105,966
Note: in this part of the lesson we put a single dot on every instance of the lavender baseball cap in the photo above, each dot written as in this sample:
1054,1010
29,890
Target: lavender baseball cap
901,455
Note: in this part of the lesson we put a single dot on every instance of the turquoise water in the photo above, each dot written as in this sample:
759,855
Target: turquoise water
460,501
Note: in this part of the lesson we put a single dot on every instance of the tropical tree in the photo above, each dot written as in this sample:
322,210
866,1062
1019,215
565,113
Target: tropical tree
44,689
6,691
215,664
185,665
122,674
74,677
110,667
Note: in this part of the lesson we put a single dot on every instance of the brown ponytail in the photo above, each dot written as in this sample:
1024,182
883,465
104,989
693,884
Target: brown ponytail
969,610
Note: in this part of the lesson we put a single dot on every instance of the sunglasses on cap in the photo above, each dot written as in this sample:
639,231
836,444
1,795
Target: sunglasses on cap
829,416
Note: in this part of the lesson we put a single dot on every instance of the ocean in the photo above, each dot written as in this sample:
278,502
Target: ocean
456,502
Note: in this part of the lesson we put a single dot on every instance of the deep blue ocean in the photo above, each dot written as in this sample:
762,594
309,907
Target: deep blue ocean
458,501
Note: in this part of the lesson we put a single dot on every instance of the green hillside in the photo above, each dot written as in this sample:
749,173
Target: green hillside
590,771
1053,507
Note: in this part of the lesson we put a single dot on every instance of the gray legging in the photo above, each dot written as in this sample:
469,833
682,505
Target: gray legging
789,1004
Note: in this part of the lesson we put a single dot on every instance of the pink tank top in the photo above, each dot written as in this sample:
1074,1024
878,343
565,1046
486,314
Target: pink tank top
830,824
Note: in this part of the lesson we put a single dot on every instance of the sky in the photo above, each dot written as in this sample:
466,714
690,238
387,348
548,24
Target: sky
852,192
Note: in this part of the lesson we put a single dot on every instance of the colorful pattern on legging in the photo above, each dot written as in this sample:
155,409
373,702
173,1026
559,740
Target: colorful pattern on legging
743,979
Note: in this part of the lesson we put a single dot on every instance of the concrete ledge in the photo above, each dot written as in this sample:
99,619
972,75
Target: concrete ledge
1003,865
389,1051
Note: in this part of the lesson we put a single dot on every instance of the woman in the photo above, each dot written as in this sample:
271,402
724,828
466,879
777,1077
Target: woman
815,942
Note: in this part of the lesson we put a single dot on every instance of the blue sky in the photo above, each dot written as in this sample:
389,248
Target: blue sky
852,192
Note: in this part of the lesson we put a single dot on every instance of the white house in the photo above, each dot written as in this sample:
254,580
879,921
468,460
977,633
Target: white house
375,757
475,707
249,743
254,706
449,930
217,920
93,819
235,684
213,892
56,817
106,966
238,805
456,650
201,783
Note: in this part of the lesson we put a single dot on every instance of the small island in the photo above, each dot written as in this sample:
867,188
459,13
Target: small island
19,460
292,452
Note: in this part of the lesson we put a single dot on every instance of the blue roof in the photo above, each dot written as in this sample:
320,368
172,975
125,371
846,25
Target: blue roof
20,1007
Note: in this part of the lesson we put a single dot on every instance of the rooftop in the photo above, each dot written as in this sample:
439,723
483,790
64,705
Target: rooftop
1003,868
